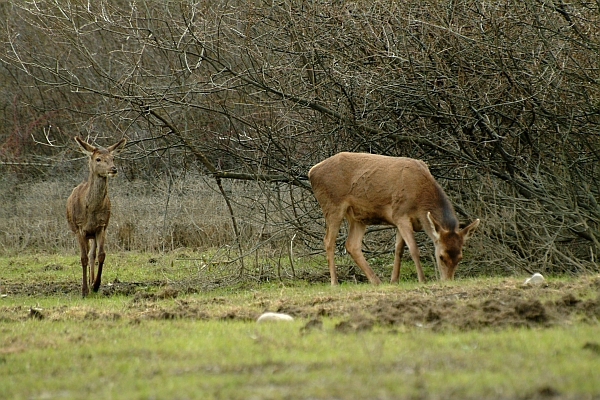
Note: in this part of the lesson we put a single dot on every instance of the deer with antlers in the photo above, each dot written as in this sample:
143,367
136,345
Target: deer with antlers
88,209
369,189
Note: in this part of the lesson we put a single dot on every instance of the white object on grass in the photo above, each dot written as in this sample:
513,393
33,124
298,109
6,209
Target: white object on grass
271,316
535,279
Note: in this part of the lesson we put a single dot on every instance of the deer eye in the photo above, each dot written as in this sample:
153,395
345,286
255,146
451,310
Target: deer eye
98,159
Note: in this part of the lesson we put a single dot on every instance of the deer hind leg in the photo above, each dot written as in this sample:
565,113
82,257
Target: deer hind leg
101,256
331,231
397,257
405,229
83,248
356,231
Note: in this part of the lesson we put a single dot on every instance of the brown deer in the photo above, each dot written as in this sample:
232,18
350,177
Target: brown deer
369,189
88,209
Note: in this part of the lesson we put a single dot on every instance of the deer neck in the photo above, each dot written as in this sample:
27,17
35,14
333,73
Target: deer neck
97,190
444,212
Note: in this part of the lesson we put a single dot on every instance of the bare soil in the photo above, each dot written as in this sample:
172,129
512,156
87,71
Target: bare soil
507,303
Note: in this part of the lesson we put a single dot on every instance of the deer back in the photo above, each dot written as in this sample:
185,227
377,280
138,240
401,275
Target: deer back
380,189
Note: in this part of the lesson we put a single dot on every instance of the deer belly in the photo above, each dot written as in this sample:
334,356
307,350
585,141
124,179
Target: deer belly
369,217
90,232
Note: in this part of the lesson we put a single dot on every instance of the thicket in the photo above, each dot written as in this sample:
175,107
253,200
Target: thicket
501,99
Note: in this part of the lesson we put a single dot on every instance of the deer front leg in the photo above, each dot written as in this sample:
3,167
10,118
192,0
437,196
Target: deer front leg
101,256
92,261
408,235
83,248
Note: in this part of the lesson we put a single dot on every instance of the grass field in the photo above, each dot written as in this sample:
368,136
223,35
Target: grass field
158,331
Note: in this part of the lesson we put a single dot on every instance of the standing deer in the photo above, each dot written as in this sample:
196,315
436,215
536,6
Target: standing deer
369,189
88,209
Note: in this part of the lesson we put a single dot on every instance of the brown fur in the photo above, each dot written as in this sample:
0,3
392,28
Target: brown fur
88,209
369,189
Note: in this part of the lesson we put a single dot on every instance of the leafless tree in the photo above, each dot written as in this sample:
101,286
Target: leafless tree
500,99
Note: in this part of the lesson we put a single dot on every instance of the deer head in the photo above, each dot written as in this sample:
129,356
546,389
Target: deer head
448,245
101,161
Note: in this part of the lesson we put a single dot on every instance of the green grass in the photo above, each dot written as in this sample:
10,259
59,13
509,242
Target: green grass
25,267
207,344
240,360
136,266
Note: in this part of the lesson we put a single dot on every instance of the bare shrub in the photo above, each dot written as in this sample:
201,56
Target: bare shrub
157,217
501,99
33,217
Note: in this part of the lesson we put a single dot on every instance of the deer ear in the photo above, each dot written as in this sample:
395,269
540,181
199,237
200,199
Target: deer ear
84,147
435,227
468,230
117,147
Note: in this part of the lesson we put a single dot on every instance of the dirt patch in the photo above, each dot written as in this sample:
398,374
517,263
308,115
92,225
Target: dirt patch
54,267
40,289
433,306
115,288
496,306
472,314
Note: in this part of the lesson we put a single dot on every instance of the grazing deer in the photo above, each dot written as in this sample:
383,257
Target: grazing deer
369,189
88,209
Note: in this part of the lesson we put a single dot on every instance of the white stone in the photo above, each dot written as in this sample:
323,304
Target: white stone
271,316
534,279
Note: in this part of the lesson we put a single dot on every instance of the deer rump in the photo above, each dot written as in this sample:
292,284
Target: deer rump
369,189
